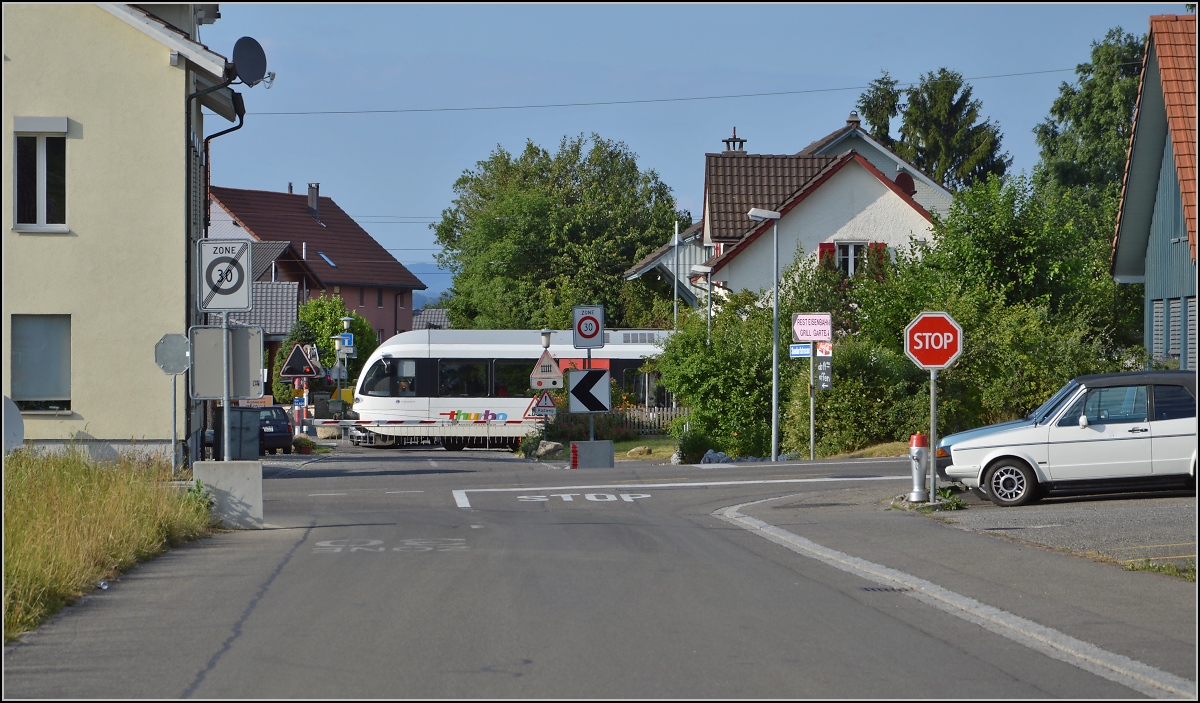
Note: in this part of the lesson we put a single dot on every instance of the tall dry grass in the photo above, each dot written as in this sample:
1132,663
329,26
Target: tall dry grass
70,521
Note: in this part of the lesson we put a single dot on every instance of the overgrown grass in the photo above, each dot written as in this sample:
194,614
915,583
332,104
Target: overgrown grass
1186,571
70,521
661,448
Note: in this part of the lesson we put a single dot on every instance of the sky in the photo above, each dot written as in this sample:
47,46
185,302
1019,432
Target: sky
426,69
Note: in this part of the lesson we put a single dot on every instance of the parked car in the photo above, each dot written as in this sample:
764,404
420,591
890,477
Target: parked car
275,430
1098,433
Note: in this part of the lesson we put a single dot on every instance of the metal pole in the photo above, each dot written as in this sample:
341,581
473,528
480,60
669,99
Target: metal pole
775,351
812,401
225,385
591,416
174,435
709,277
933,436
675,277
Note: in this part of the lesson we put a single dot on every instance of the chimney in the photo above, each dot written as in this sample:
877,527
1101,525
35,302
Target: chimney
314,200
852,120
733,145
289,188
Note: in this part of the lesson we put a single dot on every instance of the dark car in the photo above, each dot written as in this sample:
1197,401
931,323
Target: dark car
274,431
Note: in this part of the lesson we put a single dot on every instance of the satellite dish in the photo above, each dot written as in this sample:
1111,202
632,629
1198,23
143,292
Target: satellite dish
249,60
14,426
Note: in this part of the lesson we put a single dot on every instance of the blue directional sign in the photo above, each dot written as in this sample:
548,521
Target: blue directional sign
800,351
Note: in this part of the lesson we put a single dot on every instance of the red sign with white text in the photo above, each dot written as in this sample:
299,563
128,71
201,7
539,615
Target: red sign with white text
933,340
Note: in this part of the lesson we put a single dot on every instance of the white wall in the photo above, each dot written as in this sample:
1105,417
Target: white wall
852,206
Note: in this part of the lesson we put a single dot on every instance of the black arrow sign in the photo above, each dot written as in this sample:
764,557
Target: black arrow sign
583,391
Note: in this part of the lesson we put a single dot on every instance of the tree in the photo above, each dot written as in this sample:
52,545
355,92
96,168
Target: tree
1085,139
530,236
940,131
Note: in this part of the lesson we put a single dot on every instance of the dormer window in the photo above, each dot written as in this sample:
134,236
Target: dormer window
327,259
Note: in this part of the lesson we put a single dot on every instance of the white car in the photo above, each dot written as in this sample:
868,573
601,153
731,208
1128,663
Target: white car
1107,432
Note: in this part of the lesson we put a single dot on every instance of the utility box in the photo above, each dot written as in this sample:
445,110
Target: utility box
243,434
592,455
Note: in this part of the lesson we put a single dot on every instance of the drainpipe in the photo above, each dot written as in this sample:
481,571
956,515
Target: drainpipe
240,108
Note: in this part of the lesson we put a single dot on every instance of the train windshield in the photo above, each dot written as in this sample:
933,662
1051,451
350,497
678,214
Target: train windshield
391,378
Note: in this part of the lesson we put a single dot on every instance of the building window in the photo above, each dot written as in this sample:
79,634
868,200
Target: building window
41,175
378,336
851,257
360,296
41,362
379,297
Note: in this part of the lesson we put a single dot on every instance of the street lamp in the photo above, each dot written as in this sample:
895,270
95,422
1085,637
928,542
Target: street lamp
546,332
706,271
760,215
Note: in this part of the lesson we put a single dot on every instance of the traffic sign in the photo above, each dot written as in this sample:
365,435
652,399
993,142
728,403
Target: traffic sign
298,365
224,270
933,340
590,391
546,373
209,363
824,366
589,326
173,354
545,406
800,351
812,327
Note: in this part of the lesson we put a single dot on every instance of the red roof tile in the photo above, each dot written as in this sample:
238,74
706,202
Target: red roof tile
359,259
1174,40
737,181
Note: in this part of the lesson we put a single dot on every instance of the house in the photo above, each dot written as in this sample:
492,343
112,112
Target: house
104,129
842,208
431,319
342,258
1155,238
868,195
673,261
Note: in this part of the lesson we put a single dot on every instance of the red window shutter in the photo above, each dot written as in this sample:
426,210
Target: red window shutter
826,250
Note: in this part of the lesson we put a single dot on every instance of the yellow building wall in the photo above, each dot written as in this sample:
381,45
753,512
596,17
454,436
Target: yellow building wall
119,272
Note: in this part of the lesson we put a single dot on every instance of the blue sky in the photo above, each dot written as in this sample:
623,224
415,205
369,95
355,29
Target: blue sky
395,172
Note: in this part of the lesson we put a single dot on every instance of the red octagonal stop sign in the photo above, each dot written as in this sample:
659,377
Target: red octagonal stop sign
933,340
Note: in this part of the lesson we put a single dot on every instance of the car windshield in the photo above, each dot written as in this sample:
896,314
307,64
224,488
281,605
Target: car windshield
272,414
1051,405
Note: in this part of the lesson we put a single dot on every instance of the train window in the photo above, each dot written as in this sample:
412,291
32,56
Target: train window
462,379
510,378
390,378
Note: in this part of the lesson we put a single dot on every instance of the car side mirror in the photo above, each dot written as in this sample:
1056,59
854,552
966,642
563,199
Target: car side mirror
1083,422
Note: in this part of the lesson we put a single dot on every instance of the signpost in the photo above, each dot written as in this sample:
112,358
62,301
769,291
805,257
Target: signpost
299,367
544,407
824,366
590,391
800,351
813,327
224,287
546,373
173,356
589,334
933,341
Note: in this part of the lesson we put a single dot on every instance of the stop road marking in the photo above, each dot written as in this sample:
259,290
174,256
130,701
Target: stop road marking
595,497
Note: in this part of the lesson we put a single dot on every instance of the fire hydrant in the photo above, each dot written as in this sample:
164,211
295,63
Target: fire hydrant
918,445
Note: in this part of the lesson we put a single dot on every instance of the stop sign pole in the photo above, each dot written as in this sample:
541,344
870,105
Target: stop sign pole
933,341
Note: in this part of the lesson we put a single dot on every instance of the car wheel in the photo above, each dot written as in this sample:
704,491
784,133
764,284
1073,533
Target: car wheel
453,445
1011,483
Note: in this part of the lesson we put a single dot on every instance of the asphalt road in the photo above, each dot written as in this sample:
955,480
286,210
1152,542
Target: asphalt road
399,573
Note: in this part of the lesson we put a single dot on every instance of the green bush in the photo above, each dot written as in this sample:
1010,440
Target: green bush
530,444
693,446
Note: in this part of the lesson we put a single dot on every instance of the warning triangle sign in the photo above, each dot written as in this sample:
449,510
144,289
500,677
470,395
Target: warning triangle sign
298,365
546,401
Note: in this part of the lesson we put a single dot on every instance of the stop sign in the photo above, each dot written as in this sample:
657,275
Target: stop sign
933,340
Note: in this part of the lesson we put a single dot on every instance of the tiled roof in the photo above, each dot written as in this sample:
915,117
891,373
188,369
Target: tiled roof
736,182
275,308
431,319
828,139
356,258
264,254
1174,38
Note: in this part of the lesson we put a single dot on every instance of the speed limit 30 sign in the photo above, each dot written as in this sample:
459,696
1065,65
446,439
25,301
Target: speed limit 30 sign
589,326
224,268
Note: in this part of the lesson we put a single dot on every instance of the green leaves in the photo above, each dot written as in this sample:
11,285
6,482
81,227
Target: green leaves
532,235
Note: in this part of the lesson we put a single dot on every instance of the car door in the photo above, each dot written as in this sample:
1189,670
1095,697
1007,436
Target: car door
1116,442
1173,430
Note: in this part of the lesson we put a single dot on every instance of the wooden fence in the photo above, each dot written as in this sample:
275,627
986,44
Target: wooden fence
650,421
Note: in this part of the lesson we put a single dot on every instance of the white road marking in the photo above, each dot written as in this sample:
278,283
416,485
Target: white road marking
391,492
432,463
312,495
1140,677
476,527
461,500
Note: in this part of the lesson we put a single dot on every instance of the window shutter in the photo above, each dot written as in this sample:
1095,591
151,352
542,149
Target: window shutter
1156,335
826,250
1191,333
1173,328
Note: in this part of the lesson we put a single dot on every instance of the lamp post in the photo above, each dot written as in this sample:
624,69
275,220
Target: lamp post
761,215
697,270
